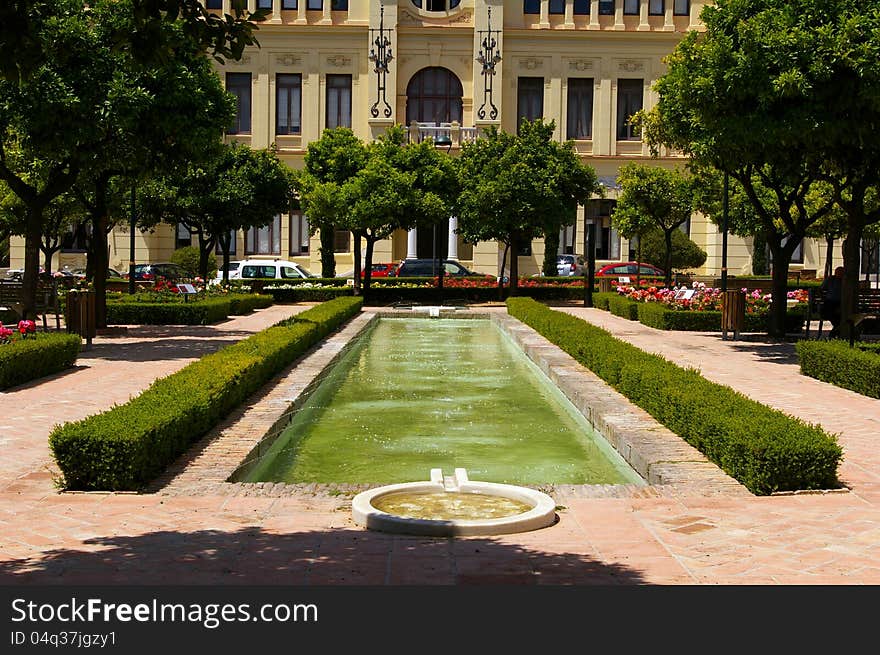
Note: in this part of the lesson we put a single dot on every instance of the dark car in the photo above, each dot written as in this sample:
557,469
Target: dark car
161,271
631,270
428,268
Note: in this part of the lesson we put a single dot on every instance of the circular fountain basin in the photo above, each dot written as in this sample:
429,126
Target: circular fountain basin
453,506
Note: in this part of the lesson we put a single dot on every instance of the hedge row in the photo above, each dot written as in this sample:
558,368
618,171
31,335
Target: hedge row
857,369
129,445
655,315
382,294
764,449
194,312
24,360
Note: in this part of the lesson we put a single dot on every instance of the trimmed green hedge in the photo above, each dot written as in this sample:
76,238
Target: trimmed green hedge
763,448
244,303
624,307
199,312
656,315
602,300
24,360
129,445
308,294
857,369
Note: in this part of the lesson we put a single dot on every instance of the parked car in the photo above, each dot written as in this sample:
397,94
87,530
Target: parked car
278,269
631,270
381,270
160,271
427,268
569,265
233,271
111,272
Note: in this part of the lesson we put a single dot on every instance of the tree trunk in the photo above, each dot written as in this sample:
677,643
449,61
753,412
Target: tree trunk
514,264
368,266
501,275
48,250
225,241
100,262
356,238
328,244
829,257
33,234
849,298
779,299
667,235
551,253
206,244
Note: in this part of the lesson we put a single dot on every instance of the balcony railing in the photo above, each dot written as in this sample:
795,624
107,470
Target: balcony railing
451,135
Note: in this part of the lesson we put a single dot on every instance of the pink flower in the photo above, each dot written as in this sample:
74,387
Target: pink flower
27,327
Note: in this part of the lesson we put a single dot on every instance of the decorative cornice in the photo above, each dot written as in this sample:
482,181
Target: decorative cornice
581,64
631,65
244,61
531,63
406,17
338,61
288,60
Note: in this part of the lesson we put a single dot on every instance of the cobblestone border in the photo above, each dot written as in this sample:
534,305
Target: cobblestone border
670,466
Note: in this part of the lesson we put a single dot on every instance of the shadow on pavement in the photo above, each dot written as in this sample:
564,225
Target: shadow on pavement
342,557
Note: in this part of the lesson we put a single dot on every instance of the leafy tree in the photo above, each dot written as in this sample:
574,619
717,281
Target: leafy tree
23,49
92,112
685,253
741,98
516,188
330,162
238,188
401,186
653,197
189,258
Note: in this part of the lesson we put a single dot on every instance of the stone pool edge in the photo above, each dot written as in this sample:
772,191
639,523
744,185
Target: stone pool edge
670,466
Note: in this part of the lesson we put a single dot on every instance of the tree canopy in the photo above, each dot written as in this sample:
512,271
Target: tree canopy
515,188
652,197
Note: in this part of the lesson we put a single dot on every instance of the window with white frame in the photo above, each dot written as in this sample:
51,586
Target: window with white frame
264,240
299,234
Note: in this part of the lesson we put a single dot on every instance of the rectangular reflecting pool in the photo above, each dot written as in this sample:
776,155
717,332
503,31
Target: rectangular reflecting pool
415,394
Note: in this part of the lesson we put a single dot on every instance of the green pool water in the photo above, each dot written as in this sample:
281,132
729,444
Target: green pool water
417,394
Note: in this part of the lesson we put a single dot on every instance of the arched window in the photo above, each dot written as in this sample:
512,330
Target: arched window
436,5
433,95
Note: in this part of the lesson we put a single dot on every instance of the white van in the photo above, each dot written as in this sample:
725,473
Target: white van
278,269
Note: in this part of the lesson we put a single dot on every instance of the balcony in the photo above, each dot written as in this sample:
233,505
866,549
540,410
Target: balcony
449,135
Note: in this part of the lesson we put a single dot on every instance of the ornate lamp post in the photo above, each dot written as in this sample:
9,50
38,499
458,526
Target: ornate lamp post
380,55
488,57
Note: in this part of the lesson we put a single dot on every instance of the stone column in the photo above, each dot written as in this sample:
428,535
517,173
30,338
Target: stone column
544,21
227,6
327,18
569,14
252,5
276,11
452,251
301,12
412,244
668,24
643,16
618,15
594,15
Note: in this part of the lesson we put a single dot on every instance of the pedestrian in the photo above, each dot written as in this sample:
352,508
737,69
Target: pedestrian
832,289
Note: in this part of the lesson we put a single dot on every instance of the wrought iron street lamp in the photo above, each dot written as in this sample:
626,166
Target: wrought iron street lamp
489,56
380,55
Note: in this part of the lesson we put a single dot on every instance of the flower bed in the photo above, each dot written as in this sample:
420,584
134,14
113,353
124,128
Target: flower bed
130,444
857,369
763,448
28,356
699,308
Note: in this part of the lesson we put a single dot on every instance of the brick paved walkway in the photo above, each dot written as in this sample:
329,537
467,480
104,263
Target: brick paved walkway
126,538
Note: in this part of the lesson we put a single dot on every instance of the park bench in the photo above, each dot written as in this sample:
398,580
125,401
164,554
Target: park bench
12,298
868,308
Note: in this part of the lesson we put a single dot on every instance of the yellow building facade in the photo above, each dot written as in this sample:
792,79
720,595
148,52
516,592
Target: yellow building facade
585,64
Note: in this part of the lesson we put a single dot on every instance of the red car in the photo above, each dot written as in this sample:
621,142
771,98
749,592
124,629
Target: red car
381,270
632,270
